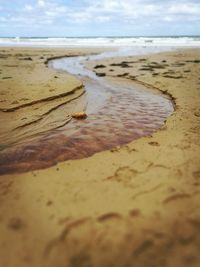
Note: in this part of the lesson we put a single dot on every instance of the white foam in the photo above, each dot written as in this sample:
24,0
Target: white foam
102,41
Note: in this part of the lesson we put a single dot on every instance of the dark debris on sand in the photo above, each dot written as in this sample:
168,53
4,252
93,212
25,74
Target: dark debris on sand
99,66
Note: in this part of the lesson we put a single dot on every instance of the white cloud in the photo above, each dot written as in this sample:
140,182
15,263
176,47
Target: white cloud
185,8
168,18
135,8
28,8
103,18
113,10
51,13
41,3
3,19
102,12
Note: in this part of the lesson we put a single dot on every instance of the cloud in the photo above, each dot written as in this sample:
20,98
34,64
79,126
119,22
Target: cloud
28,8
135,8
103,18
185,9
102,14
41,3
2,19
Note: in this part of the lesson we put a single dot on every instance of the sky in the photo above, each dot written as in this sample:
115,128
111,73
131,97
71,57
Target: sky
99,17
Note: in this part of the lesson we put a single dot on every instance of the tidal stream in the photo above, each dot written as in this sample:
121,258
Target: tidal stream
118,113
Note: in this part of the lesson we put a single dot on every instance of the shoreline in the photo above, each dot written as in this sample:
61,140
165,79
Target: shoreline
141,198
101,41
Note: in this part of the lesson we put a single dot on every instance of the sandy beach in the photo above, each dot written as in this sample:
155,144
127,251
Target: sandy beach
133,205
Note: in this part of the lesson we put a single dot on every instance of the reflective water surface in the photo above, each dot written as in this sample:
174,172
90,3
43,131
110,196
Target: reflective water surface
117,115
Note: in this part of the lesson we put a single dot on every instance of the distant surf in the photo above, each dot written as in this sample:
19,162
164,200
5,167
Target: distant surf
170,41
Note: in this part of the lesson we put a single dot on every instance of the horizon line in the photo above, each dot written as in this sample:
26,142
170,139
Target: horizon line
105,36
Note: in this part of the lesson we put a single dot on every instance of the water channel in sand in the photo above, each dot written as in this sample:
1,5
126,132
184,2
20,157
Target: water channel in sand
117,115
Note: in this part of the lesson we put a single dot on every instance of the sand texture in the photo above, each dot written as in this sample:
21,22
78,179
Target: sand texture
132,206
31,93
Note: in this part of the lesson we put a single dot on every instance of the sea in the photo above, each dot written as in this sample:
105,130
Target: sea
140,41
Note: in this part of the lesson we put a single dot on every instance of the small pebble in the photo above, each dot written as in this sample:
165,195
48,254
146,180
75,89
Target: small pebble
79,115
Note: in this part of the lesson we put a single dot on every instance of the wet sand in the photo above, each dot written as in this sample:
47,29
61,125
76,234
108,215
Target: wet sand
117,115
135,205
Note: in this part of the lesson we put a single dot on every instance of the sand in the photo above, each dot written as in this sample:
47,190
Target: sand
47,90
135,205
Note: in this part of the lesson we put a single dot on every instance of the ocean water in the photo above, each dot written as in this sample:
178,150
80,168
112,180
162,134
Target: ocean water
165,41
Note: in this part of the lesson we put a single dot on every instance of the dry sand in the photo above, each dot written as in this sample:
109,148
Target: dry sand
137,205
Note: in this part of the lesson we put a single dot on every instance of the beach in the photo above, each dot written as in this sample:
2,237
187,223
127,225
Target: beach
135,204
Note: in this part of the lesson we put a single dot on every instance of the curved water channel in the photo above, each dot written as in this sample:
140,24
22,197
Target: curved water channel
117,114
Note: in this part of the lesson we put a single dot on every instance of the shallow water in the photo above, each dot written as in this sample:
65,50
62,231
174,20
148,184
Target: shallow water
117,115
